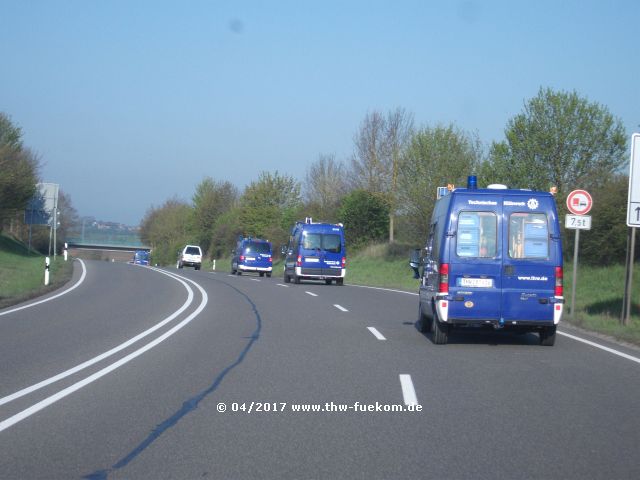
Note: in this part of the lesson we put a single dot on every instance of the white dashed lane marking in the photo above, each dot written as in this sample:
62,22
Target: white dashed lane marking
340,307
408,392
376,333
311,293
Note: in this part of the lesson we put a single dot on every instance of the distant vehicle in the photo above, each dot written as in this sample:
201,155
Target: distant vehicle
252,255
190,256
316,251
141,257
493,258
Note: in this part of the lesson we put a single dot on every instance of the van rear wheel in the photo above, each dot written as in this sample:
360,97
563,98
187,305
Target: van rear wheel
339,281
548,336
440,332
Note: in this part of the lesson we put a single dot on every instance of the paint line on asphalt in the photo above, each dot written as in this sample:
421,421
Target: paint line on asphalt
408,392
254,279
282,285
340,307
76,285
376,333
601,347
311,293
385,289
90,379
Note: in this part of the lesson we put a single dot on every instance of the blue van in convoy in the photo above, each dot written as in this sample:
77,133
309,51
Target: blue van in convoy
141,257
493,257
315,251
252,255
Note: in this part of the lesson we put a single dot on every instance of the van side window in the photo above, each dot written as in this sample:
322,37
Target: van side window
528,235
477,234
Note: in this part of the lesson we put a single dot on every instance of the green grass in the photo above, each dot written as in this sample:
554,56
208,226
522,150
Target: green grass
599,293
22,273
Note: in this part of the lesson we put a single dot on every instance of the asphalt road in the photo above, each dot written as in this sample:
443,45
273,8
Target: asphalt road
126,374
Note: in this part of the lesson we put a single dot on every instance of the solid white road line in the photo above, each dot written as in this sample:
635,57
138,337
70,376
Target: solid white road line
311,293
78,385
408,392
601,347
254,279
282,285
385,289
102,356
376,333
76,285
340,307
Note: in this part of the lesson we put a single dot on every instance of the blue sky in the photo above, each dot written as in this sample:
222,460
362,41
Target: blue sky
130,103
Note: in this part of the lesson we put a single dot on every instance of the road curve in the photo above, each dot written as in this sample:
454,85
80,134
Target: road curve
491,405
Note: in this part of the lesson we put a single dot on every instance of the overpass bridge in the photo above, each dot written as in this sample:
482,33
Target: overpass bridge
119,248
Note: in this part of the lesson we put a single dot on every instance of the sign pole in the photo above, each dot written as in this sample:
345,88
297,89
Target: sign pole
572,311
628,278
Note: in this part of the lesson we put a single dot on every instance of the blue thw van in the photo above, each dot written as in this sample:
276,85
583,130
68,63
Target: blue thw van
493,258
252,255
316,251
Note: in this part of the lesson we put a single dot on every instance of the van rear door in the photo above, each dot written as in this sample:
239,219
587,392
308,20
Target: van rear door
475,258
529,260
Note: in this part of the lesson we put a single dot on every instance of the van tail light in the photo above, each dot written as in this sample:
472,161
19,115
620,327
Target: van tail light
270,259
444,278
559,287
299,261
242,258
344,261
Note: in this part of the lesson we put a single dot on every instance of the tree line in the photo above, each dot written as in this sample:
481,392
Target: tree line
19,176
385,191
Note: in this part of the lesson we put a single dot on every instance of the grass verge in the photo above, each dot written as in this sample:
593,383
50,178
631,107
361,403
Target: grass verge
22,273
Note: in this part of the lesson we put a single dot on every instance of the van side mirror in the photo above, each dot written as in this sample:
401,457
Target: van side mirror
283,249
415,262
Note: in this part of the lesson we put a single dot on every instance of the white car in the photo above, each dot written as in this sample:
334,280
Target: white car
190,256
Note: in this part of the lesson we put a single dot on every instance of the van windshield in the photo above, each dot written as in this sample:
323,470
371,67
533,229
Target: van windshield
528,235
477,234
328,242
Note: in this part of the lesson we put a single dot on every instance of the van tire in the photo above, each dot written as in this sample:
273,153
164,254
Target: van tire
339,281
327,282
548,336
296,279
287,278
440,332
269,274
424,323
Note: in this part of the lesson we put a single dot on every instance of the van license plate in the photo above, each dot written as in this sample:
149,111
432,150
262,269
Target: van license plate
476,282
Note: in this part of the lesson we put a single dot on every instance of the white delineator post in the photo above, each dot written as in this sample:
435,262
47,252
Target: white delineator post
65,251
46,271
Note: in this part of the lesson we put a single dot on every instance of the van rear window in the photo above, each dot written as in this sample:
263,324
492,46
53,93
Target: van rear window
322,241
477,234
257,247
528,235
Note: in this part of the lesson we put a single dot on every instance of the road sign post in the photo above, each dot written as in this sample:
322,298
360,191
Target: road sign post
633,221
579,202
